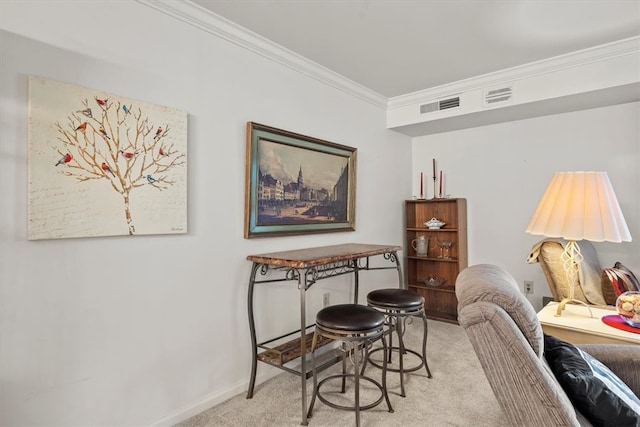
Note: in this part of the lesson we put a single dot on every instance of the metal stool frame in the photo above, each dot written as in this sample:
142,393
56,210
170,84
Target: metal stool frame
355,341
396,321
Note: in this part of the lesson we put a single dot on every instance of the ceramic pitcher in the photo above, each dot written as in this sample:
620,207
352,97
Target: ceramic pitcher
420,244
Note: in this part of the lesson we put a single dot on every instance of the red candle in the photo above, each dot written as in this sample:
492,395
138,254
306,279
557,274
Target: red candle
421,179
434,169
440,183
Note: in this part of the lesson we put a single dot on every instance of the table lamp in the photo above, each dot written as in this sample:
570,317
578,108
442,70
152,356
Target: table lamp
578,206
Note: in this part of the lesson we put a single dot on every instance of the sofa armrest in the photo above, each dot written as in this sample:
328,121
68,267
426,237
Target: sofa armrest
525,388
623,360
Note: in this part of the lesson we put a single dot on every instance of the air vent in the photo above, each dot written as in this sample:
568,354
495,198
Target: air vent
497,96
429,108
450,103
443,104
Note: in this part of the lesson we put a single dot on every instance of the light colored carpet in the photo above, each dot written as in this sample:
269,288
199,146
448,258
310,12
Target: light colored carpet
457,395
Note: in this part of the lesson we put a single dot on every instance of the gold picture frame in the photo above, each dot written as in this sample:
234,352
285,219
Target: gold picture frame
297,184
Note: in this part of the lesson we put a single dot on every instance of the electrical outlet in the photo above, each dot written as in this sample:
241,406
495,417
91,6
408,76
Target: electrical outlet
528,287
325,299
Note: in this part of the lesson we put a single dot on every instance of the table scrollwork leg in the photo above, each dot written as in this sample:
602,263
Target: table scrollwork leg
252,326
393,257
356,279
303,284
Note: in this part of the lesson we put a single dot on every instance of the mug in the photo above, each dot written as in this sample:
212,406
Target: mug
420,244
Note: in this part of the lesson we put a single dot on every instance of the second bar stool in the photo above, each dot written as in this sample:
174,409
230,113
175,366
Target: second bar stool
397,305
357,326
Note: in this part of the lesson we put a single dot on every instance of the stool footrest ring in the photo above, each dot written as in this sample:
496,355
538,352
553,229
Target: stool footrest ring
350,408
397,349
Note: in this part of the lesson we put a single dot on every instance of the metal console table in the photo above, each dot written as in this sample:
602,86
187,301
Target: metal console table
305,267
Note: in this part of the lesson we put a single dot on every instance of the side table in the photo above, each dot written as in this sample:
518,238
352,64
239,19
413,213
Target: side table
577,327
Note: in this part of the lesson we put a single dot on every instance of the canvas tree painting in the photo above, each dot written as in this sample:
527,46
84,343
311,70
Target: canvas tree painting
103,165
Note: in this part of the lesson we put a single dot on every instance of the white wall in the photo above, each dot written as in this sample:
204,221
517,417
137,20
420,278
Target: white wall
503,170
152,329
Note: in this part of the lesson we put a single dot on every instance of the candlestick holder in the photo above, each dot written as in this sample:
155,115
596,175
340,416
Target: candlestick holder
434,188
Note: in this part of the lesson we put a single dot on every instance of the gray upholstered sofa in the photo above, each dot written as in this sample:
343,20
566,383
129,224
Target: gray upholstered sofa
504,330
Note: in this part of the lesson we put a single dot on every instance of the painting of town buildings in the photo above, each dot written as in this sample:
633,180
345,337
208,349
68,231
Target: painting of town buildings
297,184
300,186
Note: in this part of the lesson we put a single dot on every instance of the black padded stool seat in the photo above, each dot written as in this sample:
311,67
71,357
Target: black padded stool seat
349,317
397,305
356,327
401,299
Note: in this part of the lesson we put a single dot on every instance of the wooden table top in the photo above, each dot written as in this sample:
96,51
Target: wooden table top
309,257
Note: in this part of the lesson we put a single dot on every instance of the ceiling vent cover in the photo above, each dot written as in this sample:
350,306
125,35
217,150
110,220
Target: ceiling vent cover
498,96
443,104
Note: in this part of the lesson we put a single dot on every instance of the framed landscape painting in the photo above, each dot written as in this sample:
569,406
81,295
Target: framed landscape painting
296,184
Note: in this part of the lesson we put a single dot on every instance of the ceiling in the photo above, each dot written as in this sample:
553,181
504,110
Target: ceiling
395,47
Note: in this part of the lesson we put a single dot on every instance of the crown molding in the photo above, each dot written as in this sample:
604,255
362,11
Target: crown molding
214,24
605,52
218,26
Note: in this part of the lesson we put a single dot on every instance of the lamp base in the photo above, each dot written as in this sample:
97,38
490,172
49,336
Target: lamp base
570,300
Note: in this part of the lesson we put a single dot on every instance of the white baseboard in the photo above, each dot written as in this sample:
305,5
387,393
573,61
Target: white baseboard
212,400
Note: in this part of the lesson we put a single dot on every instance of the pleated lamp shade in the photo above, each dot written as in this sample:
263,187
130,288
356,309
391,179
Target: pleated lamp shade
580,206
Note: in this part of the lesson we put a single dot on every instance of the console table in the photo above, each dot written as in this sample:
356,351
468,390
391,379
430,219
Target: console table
576,326
304,267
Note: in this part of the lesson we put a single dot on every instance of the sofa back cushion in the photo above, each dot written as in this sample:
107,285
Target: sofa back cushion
490,283
506,335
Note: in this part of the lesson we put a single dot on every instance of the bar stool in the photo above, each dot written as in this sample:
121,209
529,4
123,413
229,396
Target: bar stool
357,327
397,305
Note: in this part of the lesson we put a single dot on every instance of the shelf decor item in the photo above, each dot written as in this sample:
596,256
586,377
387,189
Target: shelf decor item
433,281
445,246
296,184
579,206
434,179
434,276
435,224
421,245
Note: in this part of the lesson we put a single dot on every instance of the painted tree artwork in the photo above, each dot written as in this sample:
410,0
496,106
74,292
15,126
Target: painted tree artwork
103,165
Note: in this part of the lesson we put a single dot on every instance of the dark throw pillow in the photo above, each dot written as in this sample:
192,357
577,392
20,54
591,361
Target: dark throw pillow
593,389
